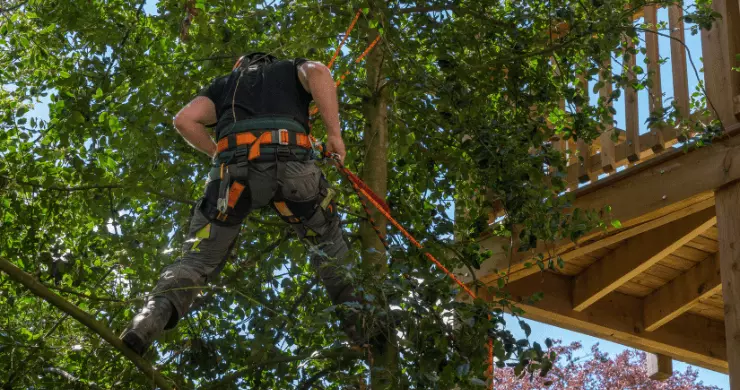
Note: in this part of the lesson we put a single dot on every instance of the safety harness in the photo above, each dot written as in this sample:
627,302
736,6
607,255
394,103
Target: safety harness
263,139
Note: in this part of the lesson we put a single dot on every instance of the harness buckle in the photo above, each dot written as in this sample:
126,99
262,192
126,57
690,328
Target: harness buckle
283,137
283,152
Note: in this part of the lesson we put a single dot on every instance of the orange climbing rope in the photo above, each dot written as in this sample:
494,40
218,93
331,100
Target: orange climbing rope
346,35
362,56
365,192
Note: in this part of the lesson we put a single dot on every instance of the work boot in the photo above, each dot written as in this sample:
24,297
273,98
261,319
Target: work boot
148,324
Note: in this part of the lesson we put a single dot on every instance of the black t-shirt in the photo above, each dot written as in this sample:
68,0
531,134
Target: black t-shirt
270,90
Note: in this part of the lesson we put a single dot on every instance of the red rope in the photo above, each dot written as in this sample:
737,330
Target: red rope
363,188
346,35
365,192
346,73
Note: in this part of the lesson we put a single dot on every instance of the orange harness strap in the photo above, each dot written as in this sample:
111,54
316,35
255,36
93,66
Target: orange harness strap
248,138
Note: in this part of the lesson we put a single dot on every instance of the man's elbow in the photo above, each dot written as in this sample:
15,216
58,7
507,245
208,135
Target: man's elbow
180,122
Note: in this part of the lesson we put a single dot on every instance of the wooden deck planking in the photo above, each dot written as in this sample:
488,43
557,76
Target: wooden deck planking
715,300
635,289
704,244
712,233
692,254
650,281
677,262
663,272
569,269
583,261
708,311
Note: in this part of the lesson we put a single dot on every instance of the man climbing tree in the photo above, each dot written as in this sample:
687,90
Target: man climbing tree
262,157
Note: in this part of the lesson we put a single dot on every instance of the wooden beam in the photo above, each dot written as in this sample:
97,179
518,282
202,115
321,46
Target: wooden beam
567,250
728,225
670,182
618,317
639,229
635,256
659,367
666,180
682,293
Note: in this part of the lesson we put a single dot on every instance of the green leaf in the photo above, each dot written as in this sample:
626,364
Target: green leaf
525,327
616,224
64,74
77,117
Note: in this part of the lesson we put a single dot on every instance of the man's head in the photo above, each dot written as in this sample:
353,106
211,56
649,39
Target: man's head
254,58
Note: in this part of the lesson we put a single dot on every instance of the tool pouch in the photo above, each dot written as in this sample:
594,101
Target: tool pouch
230,189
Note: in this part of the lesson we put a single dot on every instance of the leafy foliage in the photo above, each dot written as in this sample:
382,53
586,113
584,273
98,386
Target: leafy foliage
95,197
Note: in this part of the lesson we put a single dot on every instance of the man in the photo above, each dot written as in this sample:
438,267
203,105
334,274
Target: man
262,157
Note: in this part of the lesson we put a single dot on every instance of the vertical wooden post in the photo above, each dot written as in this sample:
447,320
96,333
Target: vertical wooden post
631,114
719,46
659,367
678,60
584,149
655,90
728,224
605,139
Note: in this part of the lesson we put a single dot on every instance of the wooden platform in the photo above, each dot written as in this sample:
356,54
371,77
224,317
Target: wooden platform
656,283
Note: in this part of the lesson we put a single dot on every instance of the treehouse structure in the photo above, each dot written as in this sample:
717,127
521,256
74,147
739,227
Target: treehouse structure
667,281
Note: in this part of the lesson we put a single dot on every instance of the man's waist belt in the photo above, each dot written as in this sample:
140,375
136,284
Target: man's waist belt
281,137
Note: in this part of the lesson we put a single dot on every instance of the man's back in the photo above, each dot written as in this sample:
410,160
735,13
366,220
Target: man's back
272,89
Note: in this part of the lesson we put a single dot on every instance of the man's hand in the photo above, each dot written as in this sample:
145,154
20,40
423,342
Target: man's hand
335,144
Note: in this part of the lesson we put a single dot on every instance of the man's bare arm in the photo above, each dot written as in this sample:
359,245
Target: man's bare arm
316,79
191,123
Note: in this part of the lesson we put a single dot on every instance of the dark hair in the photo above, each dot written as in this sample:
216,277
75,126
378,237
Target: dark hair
254,58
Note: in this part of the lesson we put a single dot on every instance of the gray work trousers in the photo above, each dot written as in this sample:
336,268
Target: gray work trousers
302,187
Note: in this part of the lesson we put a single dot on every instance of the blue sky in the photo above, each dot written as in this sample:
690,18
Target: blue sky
541,331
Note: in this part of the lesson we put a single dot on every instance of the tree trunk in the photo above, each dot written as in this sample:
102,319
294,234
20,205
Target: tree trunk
384,373
375,170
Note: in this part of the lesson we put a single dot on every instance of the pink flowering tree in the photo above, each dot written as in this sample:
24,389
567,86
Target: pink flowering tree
596,370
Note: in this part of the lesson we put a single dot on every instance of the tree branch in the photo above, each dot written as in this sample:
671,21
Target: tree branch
89,187
308,383
84,318
70,378
13,7
256,361
83,295
429,8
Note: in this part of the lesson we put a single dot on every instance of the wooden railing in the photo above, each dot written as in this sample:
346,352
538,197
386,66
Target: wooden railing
590,162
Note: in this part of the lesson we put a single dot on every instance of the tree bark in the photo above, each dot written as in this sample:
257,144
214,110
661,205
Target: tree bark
41,291
375,140
384,371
